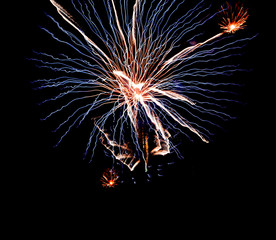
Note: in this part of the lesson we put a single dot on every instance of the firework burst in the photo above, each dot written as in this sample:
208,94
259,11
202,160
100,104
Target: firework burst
234,18
137,69
109,178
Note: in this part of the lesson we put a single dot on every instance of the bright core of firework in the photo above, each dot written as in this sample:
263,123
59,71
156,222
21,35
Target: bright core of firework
134,71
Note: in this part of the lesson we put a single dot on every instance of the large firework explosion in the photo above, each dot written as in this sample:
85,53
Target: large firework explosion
146,69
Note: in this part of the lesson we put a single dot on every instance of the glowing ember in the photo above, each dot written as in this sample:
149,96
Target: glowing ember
109,178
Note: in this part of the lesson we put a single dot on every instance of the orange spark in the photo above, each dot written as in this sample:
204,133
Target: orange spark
109,178
234,18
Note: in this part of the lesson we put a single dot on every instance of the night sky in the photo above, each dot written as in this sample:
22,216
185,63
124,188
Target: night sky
231,165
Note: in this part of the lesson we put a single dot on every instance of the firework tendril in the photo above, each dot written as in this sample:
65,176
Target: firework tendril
132,65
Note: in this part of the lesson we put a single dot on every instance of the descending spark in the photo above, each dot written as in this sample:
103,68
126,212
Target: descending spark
124,152
132,69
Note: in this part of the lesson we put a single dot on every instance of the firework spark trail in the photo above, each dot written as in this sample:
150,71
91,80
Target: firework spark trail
135,73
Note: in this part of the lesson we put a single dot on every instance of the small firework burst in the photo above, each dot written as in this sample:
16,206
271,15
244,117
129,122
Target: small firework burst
234,18
109,178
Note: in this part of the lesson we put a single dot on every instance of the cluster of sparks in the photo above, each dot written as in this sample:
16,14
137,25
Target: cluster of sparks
234,19
109,178
133,71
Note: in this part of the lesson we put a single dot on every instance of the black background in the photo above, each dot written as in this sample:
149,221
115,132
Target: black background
231,167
